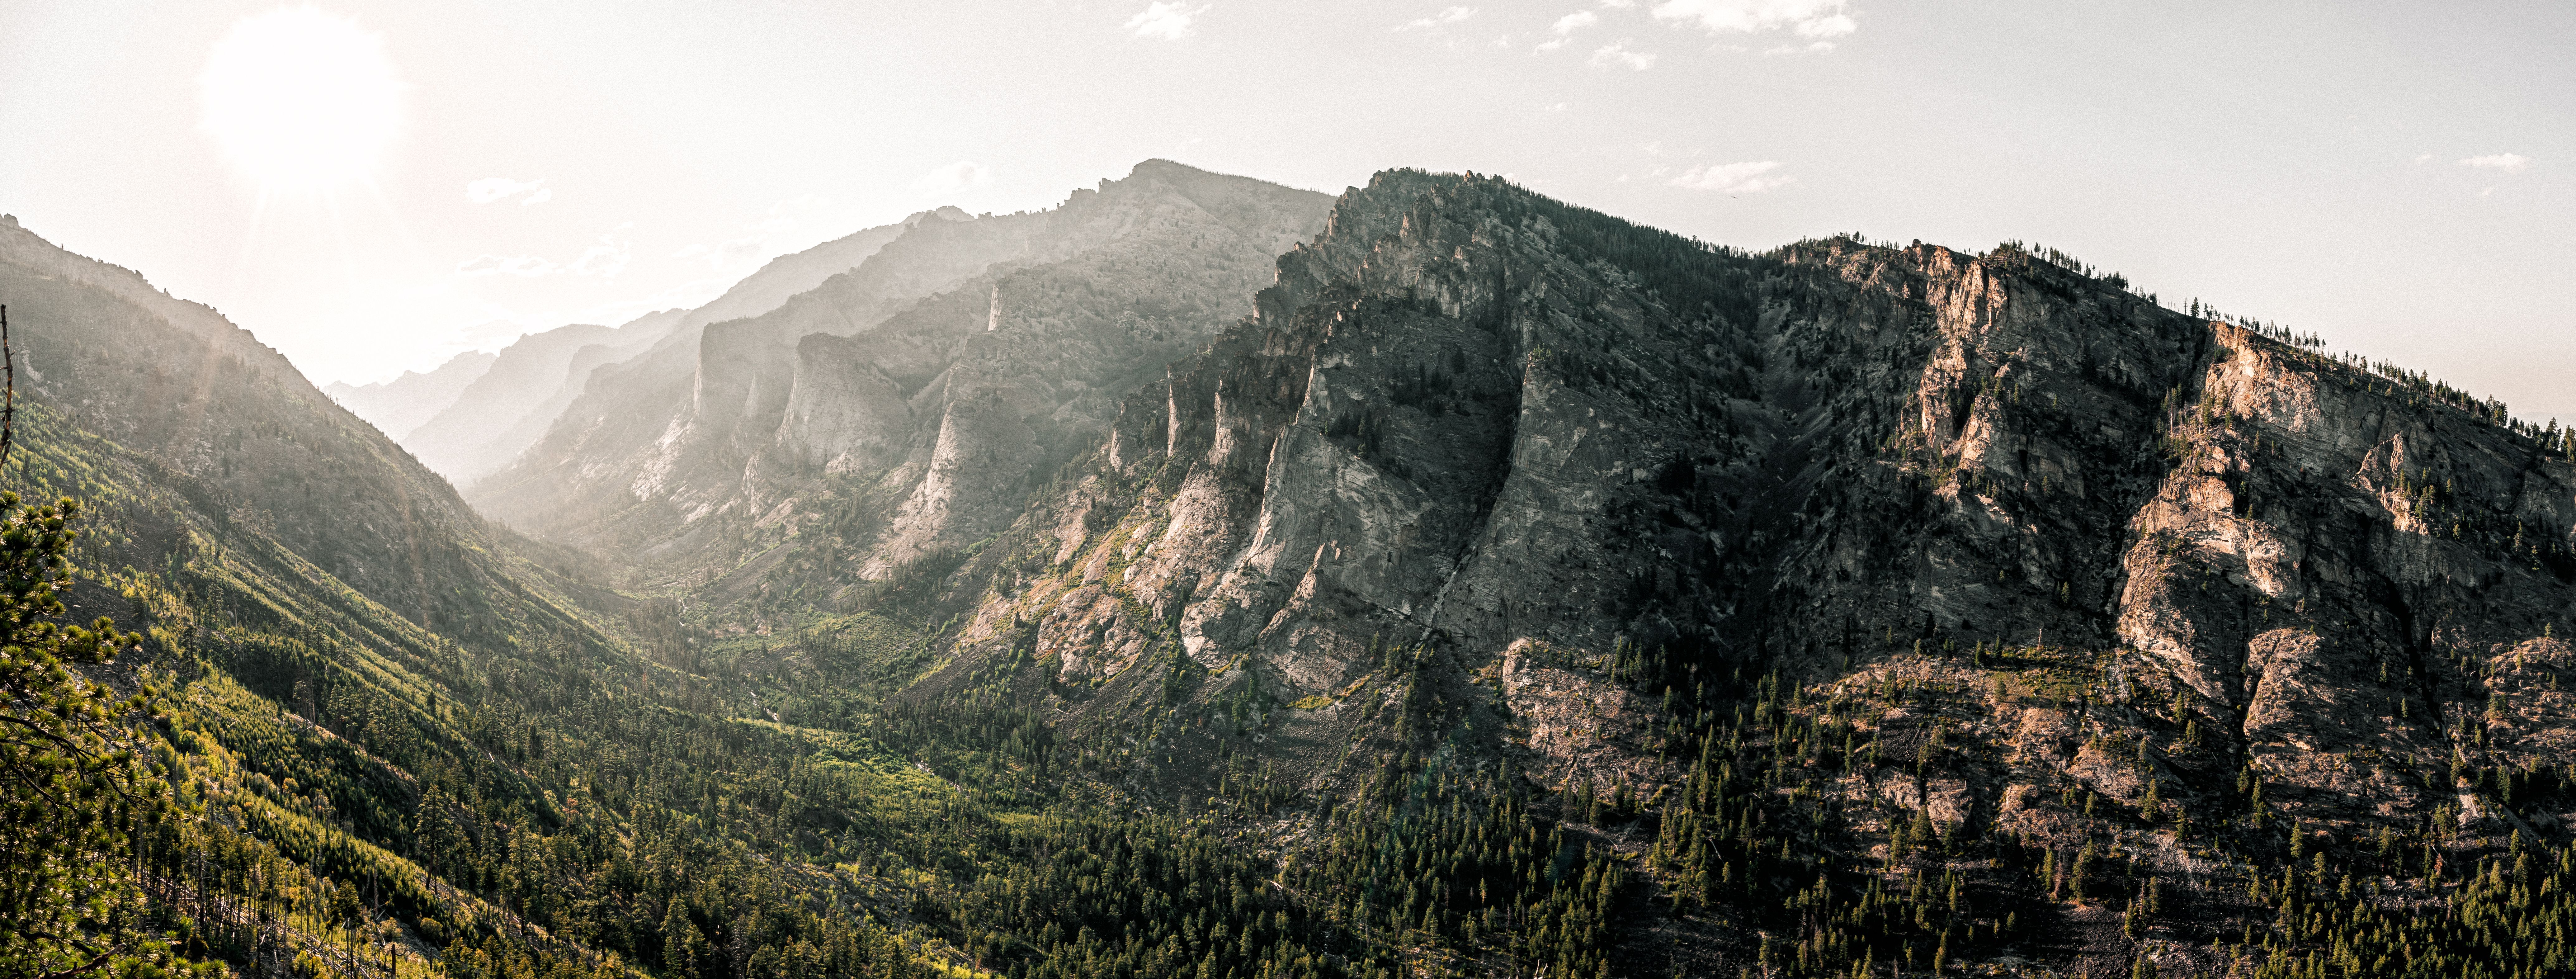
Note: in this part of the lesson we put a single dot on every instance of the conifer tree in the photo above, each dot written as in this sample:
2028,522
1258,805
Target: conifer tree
71,789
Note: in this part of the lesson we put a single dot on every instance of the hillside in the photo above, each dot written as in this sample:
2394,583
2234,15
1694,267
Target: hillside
391,729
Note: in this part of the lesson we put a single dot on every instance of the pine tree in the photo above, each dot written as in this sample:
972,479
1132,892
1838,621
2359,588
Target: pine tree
70,788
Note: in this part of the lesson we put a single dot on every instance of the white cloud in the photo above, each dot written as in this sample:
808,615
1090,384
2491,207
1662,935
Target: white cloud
490,189
953,178
1734,178
2507,162
1444,18
1812,19
605,259
1168,21
1821,27
1619,4
1819,47
1617,55
1573,22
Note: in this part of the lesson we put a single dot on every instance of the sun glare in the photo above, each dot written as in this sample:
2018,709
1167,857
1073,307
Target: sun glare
301,99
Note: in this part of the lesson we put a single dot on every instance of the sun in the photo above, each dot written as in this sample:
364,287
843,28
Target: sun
301,99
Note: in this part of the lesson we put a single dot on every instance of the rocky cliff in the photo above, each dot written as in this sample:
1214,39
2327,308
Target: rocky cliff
1970,546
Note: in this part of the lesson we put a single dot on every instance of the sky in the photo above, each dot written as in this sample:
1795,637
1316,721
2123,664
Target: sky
2394,177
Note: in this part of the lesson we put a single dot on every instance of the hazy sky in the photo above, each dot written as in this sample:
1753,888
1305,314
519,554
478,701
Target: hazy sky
2395,177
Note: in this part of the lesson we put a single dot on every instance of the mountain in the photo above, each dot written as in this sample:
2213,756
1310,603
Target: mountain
472,435
397,406
913,393
513,399
1795,584
788,276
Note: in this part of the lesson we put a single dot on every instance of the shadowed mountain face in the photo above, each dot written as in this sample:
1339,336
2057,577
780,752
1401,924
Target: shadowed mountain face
490,418
1596,487
228,426
901,407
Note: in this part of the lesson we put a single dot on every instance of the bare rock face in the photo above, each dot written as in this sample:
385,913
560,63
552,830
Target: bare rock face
1869,566
1592,731
2148,559
516,396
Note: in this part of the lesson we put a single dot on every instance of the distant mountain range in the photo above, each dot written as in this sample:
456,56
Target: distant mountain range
398,406
473,414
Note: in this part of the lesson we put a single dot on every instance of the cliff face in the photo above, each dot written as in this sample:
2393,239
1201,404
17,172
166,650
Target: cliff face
901,408
2364,576
1522,479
